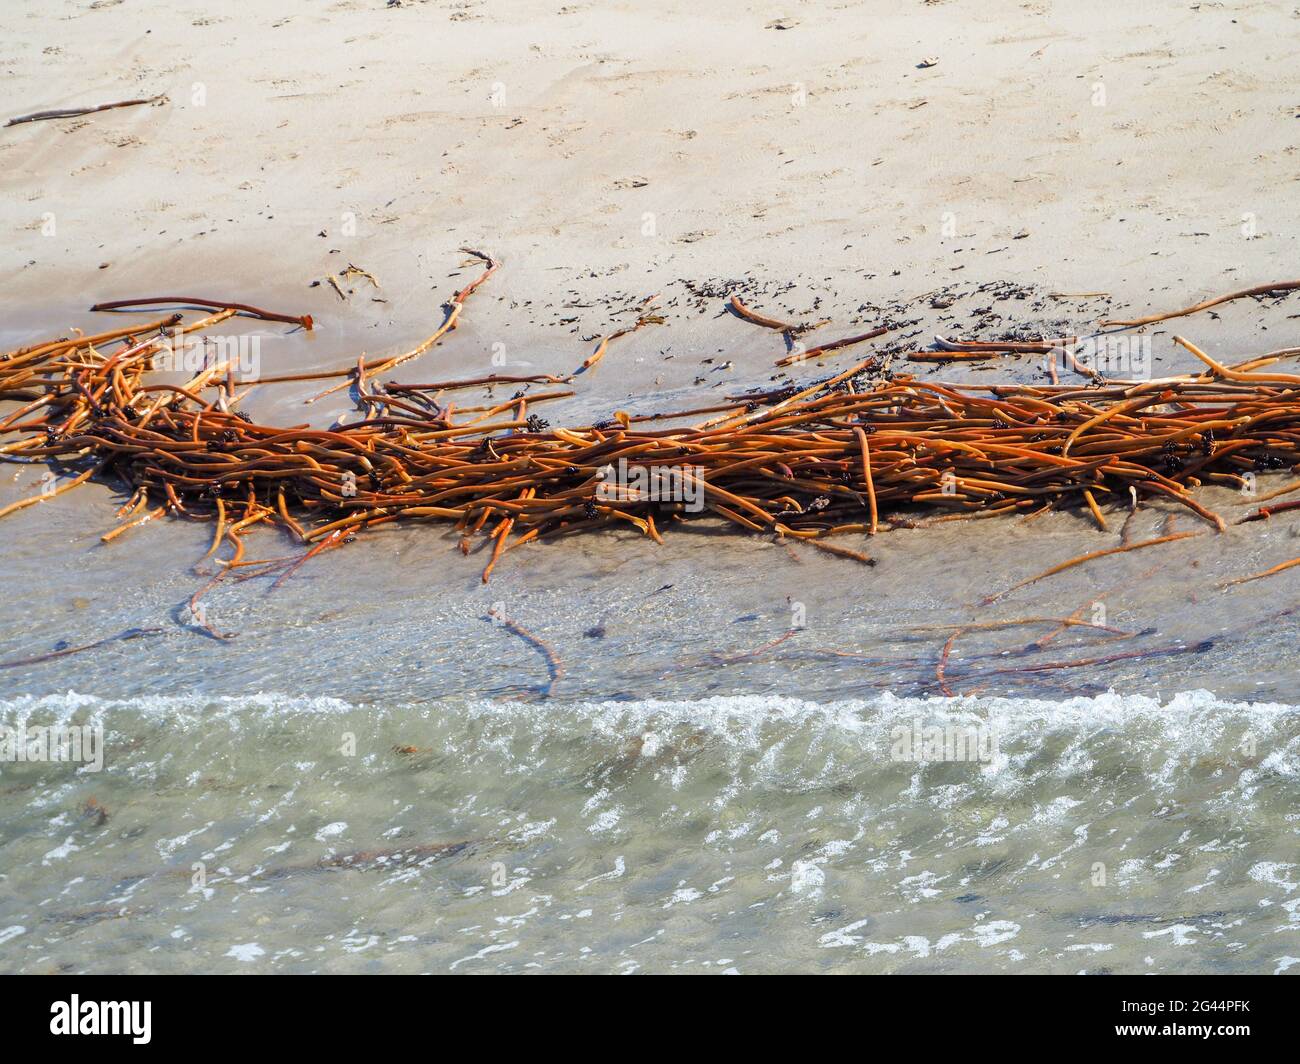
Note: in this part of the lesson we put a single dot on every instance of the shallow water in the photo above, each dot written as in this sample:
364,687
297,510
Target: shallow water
727,834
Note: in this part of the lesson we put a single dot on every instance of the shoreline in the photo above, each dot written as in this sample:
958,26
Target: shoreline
1021,745
929,557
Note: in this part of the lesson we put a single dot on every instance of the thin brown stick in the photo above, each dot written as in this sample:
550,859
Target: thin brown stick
1108,659
73,112
834,345
1260,576
242,308
554,665
1258,290
332,540
108,537
754,318
129,633
941,667
1090,556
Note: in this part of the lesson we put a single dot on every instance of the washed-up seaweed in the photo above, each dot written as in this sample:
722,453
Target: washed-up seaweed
852,454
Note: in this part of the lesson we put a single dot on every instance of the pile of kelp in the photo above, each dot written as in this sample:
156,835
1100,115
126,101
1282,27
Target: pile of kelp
861,451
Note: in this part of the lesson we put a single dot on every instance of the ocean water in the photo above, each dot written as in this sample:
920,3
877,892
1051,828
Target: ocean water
726,834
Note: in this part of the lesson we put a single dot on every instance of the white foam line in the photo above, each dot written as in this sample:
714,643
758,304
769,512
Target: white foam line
851,714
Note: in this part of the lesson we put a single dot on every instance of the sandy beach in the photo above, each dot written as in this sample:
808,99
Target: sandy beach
607,152
674,766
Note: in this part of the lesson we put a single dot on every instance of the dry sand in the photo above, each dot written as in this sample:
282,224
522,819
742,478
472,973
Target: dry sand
609,151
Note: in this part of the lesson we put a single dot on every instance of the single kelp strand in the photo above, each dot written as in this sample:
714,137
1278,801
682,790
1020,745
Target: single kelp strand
1090,556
